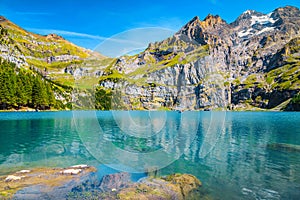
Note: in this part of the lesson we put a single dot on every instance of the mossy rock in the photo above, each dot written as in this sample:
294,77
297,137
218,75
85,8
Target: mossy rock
175,186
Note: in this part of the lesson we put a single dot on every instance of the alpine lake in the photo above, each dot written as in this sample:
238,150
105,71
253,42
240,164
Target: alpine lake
236,155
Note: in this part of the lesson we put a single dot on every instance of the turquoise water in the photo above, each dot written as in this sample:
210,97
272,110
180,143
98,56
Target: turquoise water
228,152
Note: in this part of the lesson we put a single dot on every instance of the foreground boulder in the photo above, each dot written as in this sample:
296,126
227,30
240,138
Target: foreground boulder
176,186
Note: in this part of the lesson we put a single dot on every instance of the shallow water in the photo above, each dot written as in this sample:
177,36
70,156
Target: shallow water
227,151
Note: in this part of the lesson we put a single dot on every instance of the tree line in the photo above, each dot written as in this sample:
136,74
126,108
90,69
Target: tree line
23,88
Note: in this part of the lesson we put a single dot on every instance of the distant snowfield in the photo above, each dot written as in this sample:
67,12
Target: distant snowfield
264,19
261,20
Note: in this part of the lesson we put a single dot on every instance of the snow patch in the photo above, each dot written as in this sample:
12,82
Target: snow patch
265,30
264,19
244,33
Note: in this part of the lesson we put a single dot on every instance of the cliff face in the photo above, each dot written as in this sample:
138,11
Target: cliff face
251,63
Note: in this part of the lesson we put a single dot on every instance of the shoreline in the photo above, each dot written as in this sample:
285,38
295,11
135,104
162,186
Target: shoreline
80,181
217,110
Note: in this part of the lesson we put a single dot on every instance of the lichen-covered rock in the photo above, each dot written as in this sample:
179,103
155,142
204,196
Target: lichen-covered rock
176,186
184,183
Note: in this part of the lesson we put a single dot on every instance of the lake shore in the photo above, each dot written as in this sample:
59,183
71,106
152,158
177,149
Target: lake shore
81,182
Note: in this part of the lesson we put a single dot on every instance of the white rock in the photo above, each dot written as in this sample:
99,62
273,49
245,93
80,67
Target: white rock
23,171
71,171
79,166
12,178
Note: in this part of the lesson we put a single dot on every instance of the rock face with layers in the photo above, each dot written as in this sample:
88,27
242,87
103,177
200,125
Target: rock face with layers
251,63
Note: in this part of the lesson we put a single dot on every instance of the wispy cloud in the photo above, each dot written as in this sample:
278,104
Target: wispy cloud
65,33
34,13
80,35
116,45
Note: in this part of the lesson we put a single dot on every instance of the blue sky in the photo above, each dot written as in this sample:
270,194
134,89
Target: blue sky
87,23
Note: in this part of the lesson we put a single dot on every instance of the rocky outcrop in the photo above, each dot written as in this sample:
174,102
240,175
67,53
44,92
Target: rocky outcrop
41,183
54,36
175,186
2,19
57,183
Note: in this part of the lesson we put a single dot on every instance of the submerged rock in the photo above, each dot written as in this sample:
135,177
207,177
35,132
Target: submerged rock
284,147
115,181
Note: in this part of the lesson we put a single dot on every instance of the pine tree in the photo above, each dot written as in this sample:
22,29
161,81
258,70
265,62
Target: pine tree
50,95
21,96
39,94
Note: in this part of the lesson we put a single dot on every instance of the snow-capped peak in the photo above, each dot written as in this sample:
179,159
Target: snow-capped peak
248,12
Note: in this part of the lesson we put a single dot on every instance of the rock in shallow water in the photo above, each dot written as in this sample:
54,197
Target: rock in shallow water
119,186
51,184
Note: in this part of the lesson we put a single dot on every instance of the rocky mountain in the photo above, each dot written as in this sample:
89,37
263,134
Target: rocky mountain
252,63
51,57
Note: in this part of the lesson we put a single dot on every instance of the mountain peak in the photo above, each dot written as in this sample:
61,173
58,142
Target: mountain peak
211,20
287,8
287,11
249,12
194,21
196,18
